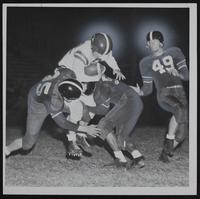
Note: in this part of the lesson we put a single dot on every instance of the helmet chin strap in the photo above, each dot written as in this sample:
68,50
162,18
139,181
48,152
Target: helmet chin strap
67,100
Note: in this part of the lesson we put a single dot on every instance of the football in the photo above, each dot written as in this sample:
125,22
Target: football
94,69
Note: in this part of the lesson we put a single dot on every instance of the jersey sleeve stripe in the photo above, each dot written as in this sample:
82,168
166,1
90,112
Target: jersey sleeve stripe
147,77
81,56
55,115
183,66
147,82
181,62
106,106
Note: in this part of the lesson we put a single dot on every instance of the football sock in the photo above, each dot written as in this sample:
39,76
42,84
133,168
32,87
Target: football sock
136,154
71,136
172,127
170,137
7,152
120,155
15,145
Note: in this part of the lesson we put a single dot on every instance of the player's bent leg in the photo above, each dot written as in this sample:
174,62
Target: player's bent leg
120,160
172,103
182,128
181,134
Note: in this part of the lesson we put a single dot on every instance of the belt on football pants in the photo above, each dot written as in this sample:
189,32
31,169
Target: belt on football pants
175,86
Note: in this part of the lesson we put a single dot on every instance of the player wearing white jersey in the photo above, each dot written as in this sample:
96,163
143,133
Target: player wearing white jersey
95,50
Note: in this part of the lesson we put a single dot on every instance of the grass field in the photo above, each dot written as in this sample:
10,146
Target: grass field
47,166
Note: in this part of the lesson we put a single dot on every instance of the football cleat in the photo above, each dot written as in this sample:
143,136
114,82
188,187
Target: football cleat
168,147
163,157
74,152
136,163
117,163
82,142
139,162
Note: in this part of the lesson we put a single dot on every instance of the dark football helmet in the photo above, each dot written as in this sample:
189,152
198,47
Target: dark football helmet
101,43
70,89
155,35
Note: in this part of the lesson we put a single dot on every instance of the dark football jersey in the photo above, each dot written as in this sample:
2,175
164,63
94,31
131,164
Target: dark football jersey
157,68
46,91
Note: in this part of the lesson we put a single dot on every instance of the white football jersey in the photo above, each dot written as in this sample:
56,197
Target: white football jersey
79,57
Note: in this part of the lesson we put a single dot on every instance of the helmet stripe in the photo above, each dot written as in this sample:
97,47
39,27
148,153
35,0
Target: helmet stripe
107,43
151,35
72,83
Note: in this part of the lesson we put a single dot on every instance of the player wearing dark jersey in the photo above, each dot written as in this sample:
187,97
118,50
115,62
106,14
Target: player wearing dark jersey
167,68
53,95
120,121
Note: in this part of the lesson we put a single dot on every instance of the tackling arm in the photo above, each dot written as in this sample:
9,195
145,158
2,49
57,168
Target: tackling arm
110,60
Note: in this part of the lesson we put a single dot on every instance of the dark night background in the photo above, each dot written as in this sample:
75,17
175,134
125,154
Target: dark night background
38,37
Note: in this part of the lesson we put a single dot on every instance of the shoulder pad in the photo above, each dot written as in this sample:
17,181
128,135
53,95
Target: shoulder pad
174,49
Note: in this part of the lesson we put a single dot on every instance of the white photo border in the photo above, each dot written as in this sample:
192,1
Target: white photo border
192,188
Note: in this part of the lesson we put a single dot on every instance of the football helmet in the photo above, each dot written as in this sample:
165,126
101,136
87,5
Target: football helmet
101,43
70,89
155,35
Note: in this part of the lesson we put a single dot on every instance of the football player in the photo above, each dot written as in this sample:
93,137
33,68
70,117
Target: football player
166,68
118,123
98,48
53,95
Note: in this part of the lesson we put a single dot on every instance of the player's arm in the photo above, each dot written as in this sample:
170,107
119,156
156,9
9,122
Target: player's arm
147,87
183,70
181,64
110,60
59,118
147,80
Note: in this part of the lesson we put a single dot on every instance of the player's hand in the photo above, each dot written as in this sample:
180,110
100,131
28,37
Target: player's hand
91,130
137,89
119,75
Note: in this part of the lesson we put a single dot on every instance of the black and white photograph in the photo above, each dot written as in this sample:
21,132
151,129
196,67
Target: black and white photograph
100,99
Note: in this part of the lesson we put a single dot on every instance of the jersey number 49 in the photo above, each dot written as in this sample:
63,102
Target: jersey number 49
168,64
